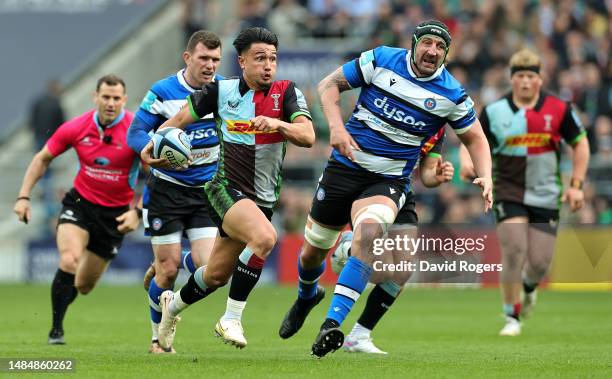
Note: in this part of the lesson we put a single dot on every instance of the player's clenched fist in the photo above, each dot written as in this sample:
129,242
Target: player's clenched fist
444,171
22,210
265,124
575,198
342,141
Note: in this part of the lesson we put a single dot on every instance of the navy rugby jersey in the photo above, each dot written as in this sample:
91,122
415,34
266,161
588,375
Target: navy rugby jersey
398,112
165,98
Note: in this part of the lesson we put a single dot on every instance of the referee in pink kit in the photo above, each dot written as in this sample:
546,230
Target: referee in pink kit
95,213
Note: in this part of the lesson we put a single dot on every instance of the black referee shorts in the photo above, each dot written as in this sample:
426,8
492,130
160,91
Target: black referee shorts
99,221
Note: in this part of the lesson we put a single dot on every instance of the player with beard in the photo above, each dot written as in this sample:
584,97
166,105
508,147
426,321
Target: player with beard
406,97
433,171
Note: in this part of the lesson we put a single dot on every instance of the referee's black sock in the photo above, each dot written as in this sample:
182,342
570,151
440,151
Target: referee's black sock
377,305
63,292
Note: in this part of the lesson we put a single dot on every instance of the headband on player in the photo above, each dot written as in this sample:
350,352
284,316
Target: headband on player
514,69
431,27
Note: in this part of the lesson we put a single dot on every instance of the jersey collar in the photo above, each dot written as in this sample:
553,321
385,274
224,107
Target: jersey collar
243,87
537,107
115,121
181,78
540,103
422,79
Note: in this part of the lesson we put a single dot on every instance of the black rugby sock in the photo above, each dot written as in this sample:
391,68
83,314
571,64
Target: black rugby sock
193,292
63,292
529,287
246,275
377,305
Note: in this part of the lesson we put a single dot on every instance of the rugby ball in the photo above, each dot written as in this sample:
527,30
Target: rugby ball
173,144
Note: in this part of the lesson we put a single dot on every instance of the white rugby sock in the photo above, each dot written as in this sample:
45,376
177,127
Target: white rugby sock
177,305
155,331
233,310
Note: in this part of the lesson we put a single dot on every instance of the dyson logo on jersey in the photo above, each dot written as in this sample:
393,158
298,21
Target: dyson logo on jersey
396,114
201,134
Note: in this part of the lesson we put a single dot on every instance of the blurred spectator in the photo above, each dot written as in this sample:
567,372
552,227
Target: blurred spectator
287,20
252,13
294,204
46,113
603,210
442,203
592,100
603,137
328,19
362,13
195,15
456,211
386,31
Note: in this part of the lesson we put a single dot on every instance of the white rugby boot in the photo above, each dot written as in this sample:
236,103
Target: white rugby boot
167,325
231,332
512,327
361,344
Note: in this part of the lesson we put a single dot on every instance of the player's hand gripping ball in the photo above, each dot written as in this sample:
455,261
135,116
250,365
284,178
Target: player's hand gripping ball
174,145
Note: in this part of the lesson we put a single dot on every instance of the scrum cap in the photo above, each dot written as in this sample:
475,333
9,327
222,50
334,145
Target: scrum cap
431,27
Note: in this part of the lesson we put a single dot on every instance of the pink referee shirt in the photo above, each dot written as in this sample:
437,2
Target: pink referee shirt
108,167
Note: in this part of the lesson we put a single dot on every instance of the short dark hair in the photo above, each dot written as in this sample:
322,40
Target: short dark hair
252,35
111,80
206,38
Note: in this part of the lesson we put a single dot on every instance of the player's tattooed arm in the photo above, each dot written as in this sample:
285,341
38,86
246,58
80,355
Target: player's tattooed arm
335,79
329,93
329,90
339,80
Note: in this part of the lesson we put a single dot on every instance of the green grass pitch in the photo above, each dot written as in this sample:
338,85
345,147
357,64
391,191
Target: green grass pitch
428,333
